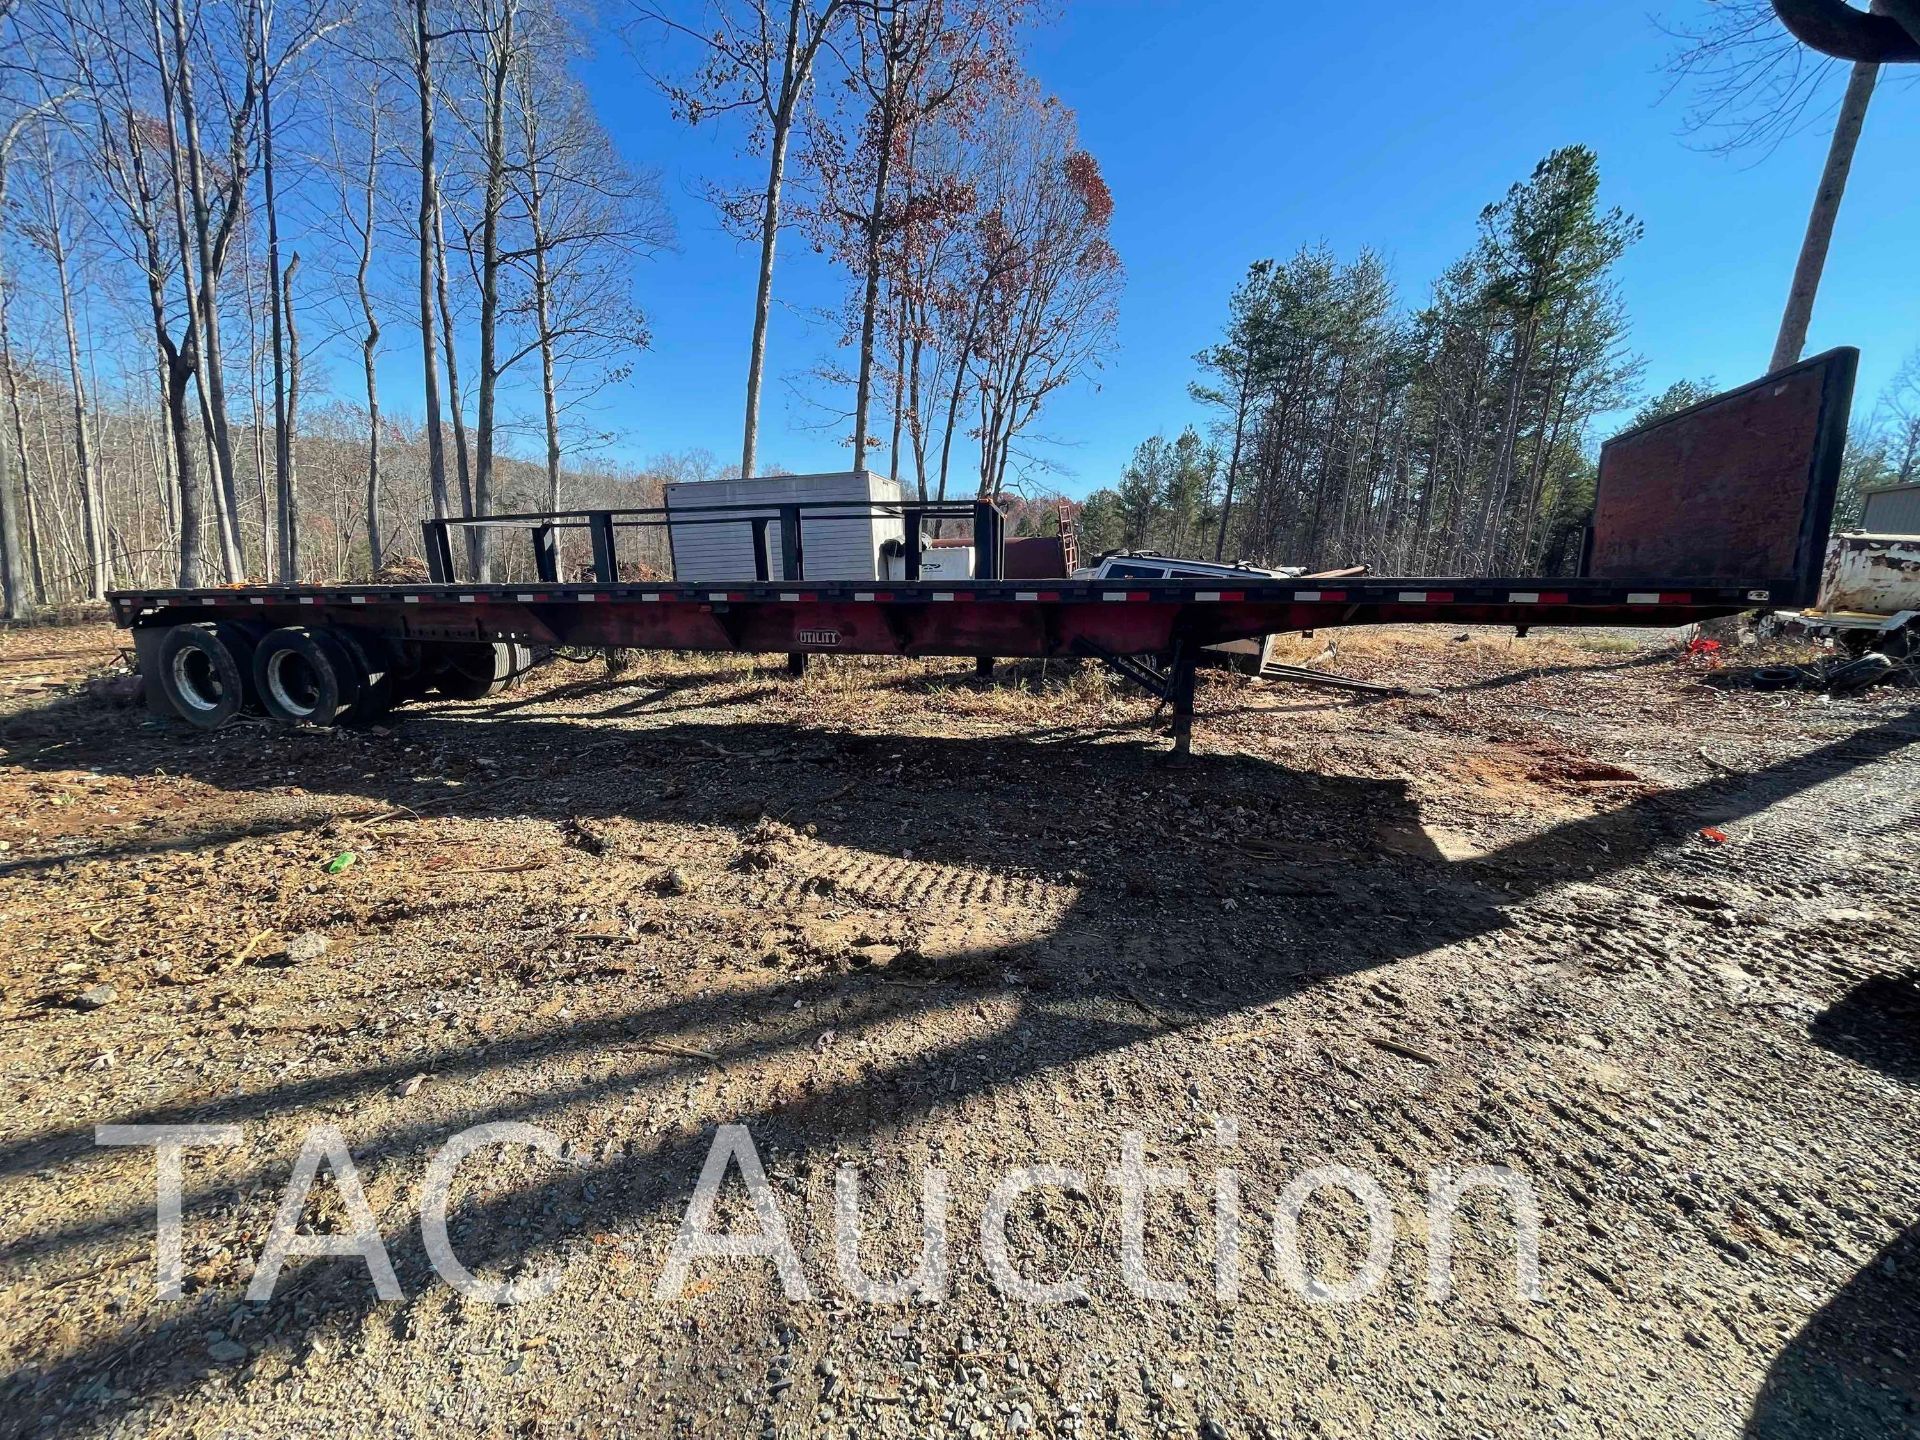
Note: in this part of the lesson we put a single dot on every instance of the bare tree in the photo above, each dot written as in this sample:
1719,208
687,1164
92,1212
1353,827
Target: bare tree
587,217
498,39
914,59
21,589
135,154
51,234
759,58
362,221
1046,279
213,207
421,39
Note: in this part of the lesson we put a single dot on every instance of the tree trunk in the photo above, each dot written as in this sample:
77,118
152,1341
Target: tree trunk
429,222
870,300
1820,220
794,67
370,344
13,560
499,57
92,523
286,458
899,390
263,502
953,397
1233,462
543,322
192,519
280,294
212,360
456,408
21,592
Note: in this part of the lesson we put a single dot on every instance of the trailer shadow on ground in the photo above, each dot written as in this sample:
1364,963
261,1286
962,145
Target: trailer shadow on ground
1186,961
1848,1359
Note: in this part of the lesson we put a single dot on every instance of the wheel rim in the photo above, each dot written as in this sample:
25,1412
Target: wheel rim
196,679
293,682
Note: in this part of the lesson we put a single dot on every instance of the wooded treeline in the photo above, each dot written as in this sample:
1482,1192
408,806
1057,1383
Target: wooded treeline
224,223
1456,437
1446,439
199,197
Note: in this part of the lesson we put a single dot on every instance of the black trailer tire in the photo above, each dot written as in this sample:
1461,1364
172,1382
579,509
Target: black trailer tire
206,672
478,671
306,677
373,658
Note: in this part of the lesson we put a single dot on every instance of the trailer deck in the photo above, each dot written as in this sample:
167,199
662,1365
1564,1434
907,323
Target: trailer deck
991,618
1722,508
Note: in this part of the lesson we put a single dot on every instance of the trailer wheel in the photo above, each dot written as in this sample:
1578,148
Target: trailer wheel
475,672
373,662
205,672
306,677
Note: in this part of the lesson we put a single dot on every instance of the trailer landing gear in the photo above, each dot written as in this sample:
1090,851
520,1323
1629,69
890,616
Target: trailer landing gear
1173,686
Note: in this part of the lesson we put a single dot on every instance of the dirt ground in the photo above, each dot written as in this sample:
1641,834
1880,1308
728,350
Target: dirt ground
1592,909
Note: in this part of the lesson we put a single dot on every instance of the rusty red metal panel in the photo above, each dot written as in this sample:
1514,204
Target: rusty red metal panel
1739,487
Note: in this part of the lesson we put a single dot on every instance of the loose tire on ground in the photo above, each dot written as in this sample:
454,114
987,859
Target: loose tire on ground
206,672
306,677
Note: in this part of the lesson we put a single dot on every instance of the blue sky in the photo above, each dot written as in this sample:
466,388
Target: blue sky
1230,130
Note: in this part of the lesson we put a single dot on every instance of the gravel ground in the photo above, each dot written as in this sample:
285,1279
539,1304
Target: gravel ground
1590,909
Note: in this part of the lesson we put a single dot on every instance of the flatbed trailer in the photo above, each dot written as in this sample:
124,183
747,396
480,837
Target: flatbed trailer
1720,509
